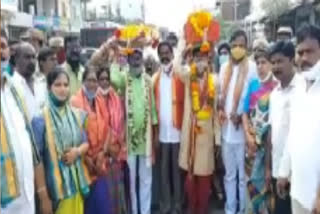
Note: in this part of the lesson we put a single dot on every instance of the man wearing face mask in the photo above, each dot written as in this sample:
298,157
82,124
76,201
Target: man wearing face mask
234,78
150,65
141,116
72,65
5,53
169,96
223,55
200,128
301,159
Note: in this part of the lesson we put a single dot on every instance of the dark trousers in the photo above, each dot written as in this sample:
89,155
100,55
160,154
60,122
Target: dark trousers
282,206
170,179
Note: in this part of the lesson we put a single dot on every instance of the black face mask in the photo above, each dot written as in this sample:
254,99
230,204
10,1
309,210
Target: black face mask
149,69
12,60
165,60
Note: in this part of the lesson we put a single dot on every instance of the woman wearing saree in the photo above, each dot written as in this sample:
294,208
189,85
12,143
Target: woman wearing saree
88,100
256,126
63,146
116,147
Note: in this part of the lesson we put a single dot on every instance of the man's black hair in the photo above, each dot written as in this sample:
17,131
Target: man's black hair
69,39
239,33
165,43
223,45
285,48
308,31
44,53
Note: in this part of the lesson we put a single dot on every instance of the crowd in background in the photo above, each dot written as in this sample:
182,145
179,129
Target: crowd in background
125,132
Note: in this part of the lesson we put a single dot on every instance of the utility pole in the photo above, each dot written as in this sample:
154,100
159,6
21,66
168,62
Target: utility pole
235,10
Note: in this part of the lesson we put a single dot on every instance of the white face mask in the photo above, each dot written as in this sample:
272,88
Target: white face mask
166,67
4,66
269,75
313,73
103,91
223,59
202,66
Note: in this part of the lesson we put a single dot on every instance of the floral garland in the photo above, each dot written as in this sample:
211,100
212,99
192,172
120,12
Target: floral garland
200,21
205,111
132,131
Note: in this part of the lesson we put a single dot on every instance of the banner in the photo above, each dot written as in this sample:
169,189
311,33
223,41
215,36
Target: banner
41,22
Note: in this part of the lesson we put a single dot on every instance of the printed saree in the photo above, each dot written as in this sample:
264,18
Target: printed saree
64,131
255,167
115,174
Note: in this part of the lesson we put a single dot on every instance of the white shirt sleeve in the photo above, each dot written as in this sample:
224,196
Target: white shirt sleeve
221,78
285,163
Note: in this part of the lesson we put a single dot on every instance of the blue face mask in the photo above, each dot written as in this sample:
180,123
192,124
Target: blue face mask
223,59
90,95
4,66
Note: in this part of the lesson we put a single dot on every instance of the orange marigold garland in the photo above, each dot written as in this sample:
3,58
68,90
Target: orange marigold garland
205,111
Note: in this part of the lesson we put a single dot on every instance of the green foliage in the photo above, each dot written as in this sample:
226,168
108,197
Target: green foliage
275,8
226,28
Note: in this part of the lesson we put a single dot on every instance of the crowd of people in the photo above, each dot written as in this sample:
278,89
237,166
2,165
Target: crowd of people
124,133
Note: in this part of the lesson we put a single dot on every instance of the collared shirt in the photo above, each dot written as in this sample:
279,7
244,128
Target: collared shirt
75,78
40,89
22,148
279,119
27,94
168,133
301,157
229,132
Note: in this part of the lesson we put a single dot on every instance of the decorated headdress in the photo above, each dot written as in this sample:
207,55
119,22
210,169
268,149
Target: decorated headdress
137,37
201,30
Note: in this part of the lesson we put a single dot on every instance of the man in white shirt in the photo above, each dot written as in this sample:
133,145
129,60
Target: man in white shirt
47,60
169,96
24,172
282,59
23,77
301,160
234,78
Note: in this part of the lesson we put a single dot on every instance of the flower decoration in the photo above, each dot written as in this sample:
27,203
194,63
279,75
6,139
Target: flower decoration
128,51
205,47
132,32
204,110
200,21
201,26
117,34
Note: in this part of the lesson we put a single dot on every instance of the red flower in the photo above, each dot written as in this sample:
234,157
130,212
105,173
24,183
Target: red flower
117,33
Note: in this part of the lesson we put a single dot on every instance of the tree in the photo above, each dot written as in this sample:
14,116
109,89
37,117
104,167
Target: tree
275,8
226,28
